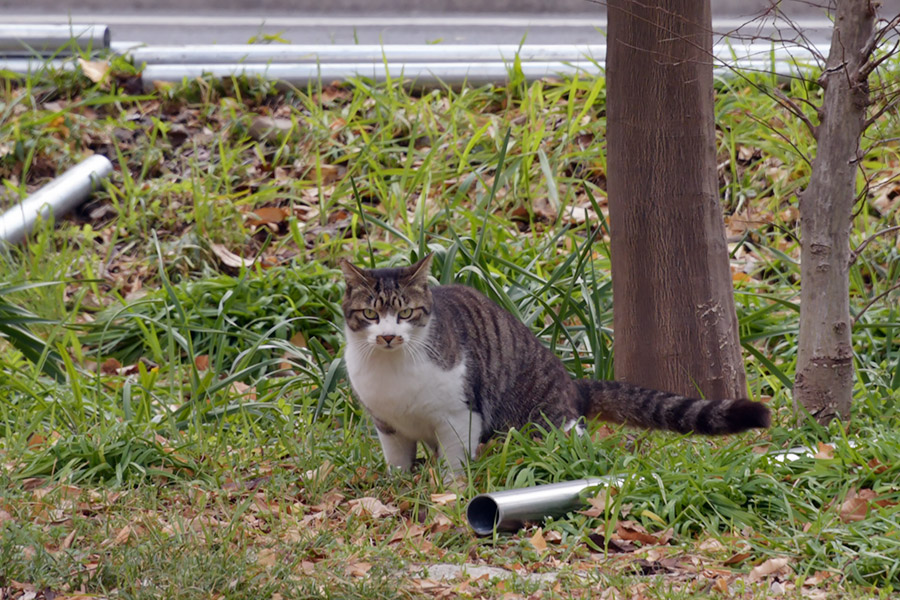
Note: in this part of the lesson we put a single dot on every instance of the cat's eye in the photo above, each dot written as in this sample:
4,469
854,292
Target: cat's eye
370,314
405,313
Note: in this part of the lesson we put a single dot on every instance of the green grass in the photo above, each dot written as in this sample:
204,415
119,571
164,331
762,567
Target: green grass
200,437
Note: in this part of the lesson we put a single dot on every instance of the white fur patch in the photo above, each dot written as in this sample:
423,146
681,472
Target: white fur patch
578,424
403,388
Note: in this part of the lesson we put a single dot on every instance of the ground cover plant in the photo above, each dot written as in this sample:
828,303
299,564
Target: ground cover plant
176,423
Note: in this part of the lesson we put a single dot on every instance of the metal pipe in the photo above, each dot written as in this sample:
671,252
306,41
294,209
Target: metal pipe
450,73
416,53
421,74
31,40
56,198
364,53
509,509
27,66
300,75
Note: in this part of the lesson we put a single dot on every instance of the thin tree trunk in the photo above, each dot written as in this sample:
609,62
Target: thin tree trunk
824,379
674,317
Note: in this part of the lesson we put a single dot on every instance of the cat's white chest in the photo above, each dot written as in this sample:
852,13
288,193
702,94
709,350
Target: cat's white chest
414,397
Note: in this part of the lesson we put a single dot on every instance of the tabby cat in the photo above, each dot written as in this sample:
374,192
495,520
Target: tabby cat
448,367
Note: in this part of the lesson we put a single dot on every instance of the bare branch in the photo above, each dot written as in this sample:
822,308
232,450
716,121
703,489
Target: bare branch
882,142
870,65
784,137
854,254
878,36
796,110
871,302
887,106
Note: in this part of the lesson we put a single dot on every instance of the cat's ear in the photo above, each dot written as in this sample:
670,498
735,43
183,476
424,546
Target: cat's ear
418,273
354,275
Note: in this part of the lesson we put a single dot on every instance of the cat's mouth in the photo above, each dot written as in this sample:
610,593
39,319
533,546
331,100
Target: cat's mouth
389,342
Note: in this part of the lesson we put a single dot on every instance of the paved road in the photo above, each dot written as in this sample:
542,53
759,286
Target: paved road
379,21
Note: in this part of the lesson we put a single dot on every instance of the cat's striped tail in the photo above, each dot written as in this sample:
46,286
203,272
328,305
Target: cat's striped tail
621,402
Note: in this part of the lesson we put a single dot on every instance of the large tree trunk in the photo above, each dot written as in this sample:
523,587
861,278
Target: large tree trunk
824,380
674,317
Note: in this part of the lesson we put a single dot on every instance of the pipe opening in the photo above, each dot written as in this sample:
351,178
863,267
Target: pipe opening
483,514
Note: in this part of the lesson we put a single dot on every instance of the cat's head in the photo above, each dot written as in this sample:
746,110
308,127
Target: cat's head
387,308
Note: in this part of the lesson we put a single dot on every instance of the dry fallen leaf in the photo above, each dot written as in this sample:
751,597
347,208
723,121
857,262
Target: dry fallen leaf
721,585
319,473
268,215
876,466
95,70
773,566
577,215
334,91
358,569
737,558
299,340
270,129
122,536
110,366
267,557
543,209
372,507
599,503
553,537
538,541
711,545
443,499
67,542
412,534
855,506
631,531
202,362
825,451
440,524
242,389
229,258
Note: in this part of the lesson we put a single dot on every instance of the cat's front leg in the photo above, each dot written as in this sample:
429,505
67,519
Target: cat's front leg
458,437
399,451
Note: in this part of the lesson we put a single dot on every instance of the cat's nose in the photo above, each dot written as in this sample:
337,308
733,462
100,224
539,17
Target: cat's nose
388,339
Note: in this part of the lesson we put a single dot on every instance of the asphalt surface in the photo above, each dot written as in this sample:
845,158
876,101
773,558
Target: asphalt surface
388,21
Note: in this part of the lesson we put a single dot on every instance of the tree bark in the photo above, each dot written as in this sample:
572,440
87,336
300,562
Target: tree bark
824,378
674,318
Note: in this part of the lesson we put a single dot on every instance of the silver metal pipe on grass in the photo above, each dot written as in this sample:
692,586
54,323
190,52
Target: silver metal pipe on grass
56,198
30,66
363,53
206,54
508,510
31,40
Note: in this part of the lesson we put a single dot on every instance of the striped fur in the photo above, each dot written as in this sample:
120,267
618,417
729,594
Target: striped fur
396,324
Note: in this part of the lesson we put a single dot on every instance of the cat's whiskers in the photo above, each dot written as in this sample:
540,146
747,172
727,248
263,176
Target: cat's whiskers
418,355
420,349
363,347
